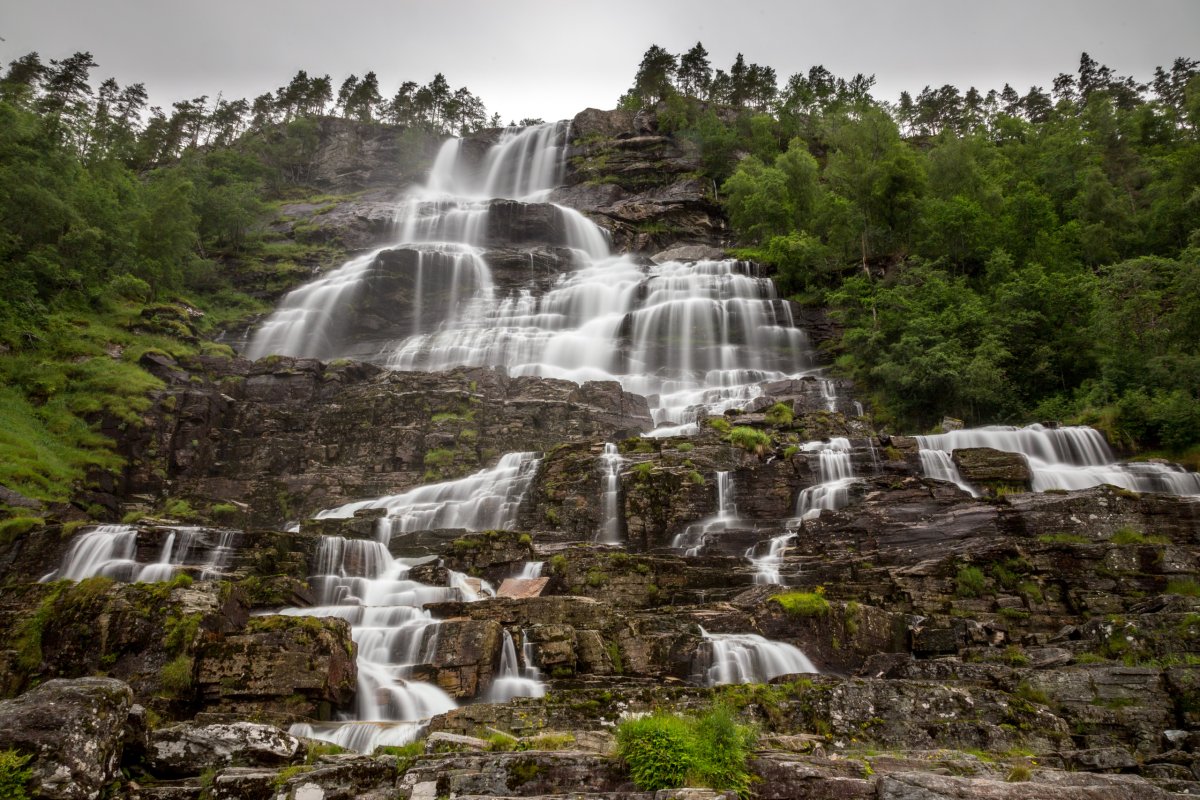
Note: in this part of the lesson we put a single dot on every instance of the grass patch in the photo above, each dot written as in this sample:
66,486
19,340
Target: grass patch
1188,587
970,582
14,775
804,604
1129,536
667,751
1063,538
750,439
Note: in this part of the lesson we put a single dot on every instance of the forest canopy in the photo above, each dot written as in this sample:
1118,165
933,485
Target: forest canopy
991,255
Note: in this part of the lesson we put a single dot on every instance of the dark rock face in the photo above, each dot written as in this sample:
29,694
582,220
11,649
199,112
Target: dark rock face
74,730
351,156
280,668
287,437
182,750
639,184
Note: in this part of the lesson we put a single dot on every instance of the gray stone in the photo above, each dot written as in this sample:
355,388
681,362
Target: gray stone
74,731
185,749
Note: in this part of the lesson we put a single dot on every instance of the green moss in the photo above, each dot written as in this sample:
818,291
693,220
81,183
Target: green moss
15,527
719,424
1188,587
522,772
1129,536
804,604
14,775
685,447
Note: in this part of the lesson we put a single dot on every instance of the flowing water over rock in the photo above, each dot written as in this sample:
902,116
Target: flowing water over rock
485,273
767,565
359,581
836,473
1070,458
749,658
513,680
610,525
694,537
111,551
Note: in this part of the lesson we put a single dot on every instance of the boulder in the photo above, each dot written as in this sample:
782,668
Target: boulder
993,469
74,731
186,749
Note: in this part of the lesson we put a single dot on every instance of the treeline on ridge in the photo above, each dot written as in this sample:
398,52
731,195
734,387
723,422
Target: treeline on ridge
993,256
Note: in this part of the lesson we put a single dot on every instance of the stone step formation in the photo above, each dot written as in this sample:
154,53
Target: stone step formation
542,483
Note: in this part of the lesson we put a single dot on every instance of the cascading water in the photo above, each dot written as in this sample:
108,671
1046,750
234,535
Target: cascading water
111,551
693,538
610,520
1068,458
767,565
689,336
749,658
513,680
361,582
485,500
531,570
835,472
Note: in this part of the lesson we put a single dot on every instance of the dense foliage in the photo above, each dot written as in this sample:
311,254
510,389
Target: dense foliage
667,751
991,256
124,230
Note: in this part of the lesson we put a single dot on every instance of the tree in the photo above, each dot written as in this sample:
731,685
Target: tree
653,79
694,75
23,80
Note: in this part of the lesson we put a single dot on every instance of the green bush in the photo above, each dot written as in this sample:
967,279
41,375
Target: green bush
750,439
176,676
667,751
14,775
779,414
660,750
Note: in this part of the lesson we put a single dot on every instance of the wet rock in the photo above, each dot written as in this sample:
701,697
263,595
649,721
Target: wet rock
280,668
186,749
993,469
74,731
527,774
465,655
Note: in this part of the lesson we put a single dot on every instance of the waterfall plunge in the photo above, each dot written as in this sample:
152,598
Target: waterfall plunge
689,336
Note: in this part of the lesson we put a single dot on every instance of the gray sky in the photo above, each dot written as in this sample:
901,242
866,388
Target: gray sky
532,58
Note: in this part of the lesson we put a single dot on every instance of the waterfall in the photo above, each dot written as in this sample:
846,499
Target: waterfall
531,570
766,566
361,582
938,465
835,473
694,537
511,679
610,504
749,658
691,337
483,501
1068,458
110,551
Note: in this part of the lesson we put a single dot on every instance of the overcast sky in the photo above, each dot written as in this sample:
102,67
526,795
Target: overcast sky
532,58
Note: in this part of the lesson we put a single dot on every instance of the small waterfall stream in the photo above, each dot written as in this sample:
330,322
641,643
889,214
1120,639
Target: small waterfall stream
111,551
693,538
610,519
749,658
835,473
1070,458
767,565
513,680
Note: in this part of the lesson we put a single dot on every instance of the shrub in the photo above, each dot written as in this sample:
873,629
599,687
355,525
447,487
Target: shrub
14,775
804,604
750,439
779,414
970,582
176,676
666,751
659,750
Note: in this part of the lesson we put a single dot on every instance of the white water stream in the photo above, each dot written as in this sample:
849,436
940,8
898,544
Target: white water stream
1068,458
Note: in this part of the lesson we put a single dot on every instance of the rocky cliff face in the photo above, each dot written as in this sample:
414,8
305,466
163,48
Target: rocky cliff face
1010,645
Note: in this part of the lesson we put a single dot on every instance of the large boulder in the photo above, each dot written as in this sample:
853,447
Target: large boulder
993,469
186,749
74,731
